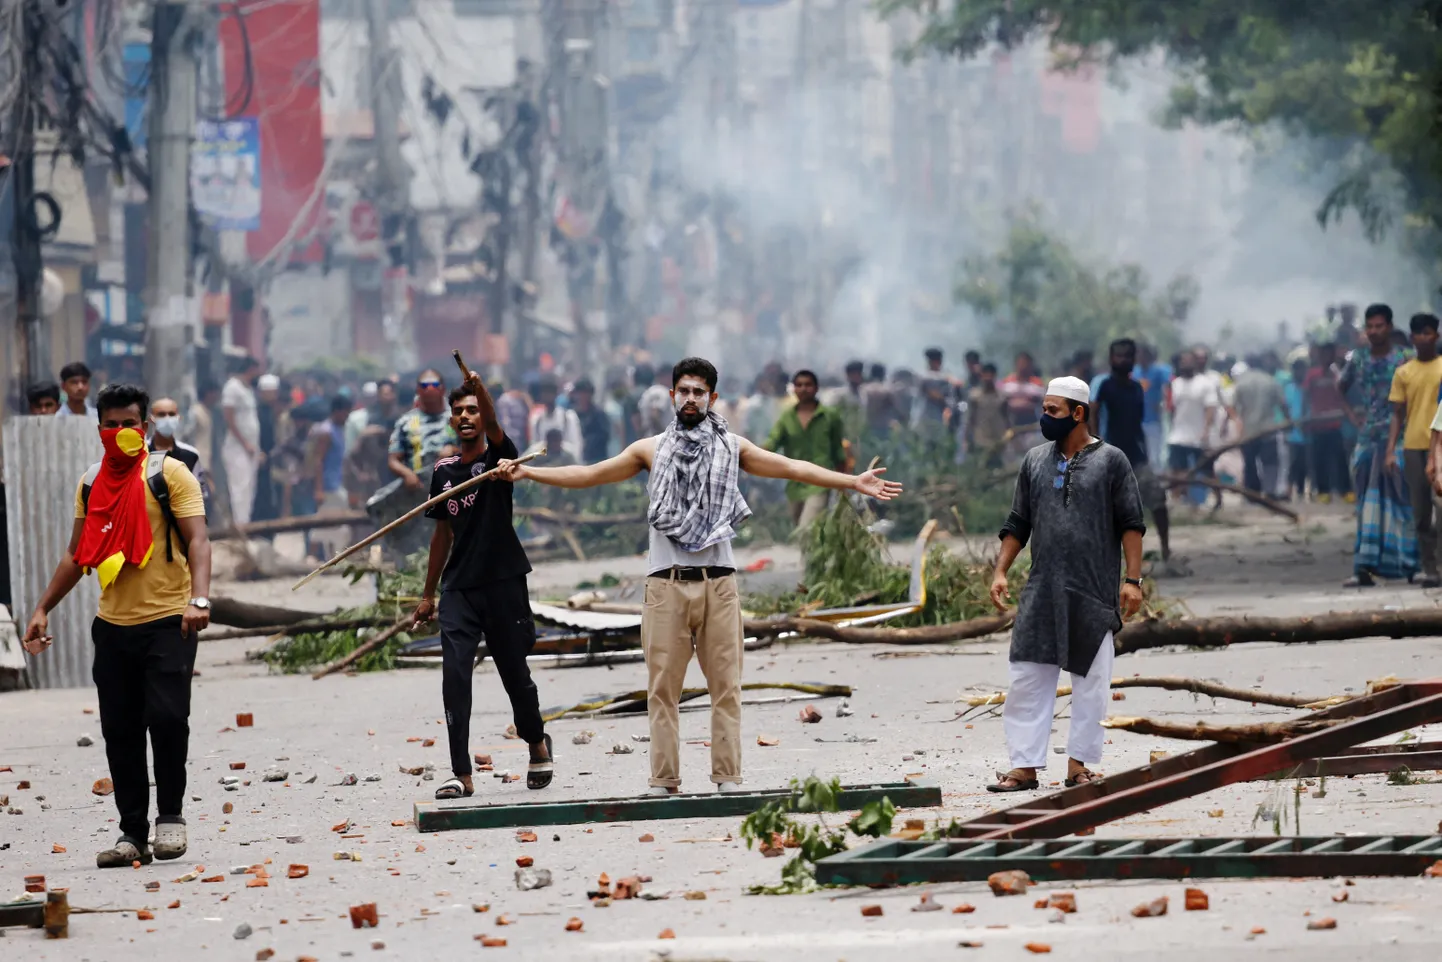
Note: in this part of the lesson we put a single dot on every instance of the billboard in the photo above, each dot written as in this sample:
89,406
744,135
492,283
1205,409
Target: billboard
225,173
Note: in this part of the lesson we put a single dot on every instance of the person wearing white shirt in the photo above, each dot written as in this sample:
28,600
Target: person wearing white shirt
1195,403
548,417
240,451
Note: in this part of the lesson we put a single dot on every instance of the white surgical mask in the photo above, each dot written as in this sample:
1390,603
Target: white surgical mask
167,425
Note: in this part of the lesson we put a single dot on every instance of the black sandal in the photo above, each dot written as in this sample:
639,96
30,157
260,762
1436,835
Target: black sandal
1084,777
453,788
539,774
1022,784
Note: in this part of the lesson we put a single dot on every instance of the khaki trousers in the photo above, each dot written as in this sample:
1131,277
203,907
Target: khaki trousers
681,616
810,508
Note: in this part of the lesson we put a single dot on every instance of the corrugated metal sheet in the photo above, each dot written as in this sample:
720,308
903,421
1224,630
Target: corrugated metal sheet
44,461
588,620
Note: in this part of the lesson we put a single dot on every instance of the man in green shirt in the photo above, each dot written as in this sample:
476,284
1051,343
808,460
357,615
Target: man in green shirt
808,432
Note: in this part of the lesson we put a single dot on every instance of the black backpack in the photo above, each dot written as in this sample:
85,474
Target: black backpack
159,490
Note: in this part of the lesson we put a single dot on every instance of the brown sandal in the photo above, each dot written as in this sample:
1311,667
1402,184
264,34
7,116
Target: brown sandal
1015,775
1084,777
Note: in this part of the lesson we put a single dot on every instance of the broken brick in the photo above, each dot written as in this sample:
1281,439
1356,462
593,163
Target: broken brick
666,934
628,887
870,911
1156,907
342,827
1435,869
237,766
398,823
695,896
1065,901
102,786
227,808
214,878
647,838
152,886
481,907
1258,930
1317,925
490,942
144,915
24,786
574,925
1341,896
297,871
767,741
483,760
1013,882
257,883
926,904
525,861
1037,948
1197,901
1119,696
504,920
809,715
1039,904
525,836
57,849
963,909
34,883
264,955
244,719
428,743
362,916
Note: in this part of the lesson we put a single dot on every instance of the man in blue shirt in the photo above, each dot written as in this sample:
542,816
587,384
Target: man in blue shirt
1118,416
1154,377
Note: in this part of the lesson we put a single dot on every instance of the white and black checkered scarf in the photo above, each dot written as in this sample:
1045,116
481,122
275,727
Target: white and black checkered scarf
695,498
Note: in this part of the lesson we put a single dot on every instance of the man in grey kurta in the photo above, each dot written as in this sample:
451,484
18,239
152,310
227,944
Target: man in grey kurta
1077,504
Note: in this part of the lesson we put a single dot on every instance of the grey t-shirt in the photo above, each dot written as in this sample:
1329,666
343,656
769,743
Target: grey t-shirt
1258,398
665,553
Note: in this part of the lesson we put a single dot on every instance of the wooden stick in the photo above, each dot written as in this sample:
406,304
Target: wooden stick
923,635
411,515
1184,480
465,371
298,628
1200,731
370,645
1222,630
1173,683
1209,457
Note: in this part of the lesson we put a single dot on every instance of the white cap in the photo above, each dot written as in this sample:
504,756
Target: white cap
1071,388
369,389
267,382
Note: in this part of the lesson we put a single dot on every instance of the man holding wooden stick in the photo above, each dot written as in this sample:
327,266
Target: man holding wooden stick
477,558
692,602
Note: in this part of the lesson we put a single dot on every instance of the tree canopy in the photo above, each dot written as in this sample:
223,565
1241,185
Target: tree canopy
1361,78
1044,298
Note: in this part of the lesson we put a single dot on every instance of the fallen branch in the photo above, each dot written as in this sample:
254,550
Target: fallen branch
1261,732
1221,631
1210,456
1183,480
1197,686
370,645
298,628
244,614
635,701
924,635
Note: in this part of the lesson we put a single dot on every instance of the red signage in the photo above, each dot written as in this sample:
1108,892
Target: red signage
365,223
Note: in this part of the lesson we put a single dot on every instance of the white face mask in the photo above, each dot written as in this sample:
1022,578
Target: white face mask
167,425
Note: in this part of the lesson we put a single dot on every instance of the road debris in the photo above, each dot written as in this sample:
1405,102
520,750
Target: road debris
871,911
1320,925
844,710
1197,901
1013,882
619,749
695,896
84,741
1156,907
1064,901
237,766
963,909
275,775
525,861
297,871
491,942
582,738
1037,948
363,916
767,741
525,836
574,924
244,720
243,931
529,879
666,934
926,904
102,786
809,715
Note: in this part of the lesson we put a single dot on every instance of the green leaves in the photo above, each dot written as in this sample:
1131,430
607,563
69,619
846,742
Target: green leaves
874,820
812,842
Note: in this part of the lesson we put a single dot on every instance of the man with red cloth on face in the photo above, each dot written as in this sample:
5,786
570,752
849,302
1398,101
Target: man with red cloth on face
140,524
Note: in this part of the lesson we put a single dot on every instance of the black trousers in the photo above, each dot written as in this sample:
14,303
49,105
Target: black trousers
1258,456
1297,467
142,679
1330,472
499,613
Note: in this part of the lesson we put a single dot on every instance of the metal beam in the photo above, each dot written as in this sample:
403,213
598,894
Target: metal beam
467,813
1213,766
891,862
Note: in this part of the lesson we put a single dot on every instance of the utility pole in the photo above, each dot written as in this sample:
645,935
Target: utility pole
520,319
169,355
393,184
25,237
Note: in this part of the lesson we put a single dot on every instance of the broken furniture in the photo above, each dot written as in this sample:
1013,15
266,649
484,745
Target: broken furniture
52,913
897,862
467,813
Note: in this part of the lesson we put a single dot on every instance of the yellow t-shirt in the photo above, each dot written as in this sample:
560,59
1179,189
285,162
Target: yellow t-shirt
1415,384
162,588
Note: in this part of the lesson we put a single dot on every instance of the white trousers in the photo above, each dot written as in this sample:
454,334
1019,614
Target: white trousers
240,470
1031,701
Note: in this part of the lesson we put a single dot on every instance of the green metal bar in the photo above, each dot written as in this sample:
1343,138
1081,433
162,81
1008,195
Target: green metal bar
1029,850
1184,847
1286,858
469,814
979,850
1330,845
1072,851
934,850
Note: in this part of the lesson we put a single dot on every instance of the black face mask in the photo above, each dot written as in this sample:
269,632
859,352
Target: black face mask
1124,369
1055,429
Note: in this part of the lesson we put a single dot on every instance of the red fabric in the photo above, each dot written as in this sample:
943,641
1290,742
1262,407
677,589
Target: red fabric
117,525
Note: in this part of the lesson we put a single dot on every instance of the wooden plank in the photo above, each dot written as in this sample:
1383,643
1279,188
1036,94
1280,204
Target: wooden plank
470,814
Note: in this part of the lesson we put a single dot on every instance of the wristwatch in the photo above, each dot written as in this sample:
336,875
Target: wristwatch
1133,581
202,603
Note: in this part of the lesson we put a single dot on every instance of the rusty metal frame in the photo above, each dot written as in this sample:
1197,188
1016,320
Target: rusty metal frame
1176,777
895,862
1370,760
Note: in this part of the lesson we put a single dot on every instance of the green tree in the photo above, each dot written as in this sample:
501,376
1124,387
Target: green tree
1041,296
1362,79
